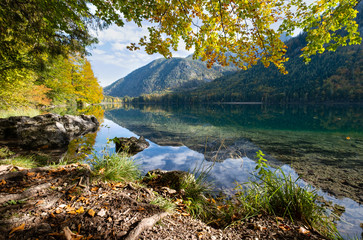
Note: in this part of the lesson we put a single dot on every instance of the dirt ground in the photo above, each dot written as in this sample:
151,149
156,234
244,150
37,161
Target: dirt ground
62,203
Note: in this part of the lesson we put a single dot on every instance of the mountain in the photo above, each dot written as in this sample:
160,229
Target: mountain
166,74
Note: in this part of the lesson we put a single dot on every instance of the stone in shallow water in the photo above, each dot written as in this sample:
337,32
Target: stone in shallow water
131,145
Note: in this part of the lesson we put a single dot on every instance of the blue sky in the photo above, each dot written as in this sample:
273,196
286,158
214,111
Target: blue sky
111,60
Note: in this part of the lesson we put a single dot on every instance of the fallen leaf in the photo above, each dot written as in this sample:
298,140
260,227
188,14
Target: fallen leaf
72,197
119,185
80,210
141,209
52,214
79,228
303,230
39,202
58,211
3,182
94,189
91,212
29,174
109,219
280,218
55,234
19,228
284,227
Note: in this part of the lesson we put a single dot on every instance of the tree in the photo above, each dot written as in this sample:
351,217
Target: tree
223,31
246,31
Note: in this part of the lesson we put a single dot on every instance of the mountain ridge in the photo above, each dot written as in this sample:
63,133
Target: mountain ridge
165,74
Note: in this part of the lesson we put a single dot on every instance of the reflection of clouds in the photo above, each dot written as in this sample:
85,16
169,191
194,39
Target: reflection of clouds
167,158
223,174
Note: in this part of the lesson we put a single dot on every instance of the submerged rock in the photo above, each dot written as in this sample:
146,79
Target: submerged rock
49,131
131,145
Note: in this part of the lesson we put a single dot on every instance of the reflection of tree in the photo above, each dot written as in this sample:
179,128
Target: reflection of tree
79,148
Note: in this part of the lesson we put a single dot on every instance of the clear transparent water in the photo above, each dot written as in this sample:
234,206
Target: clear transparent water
323,145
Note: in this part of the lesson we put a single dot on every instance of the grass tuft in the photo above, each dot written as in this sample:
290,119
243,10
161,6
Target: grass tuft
274,193
165,204
21,161
115,167
5,152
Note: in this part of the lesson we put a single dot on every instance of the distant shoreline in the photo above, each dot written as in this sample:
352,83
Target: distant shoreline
239,103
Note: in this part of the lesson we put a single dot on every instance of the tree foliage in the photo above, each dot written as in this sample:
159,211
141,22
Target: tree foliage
244,32
222,31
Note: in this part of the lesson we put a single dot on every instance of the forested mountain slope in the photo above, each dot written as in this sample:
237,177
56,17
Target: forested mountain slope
165,74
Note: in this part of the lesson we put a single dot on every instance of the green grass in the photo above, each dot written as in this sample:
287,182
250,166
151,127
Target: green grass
274,193
165,204
5,152
115,167
31,112
21,161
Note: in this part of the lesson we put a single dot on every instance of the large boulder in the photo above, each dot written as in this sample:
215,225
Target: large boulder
45,131
131,145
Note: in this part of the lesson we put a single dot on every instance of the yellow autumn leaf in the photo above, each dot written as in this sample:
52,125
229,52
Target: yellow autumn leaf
91,212
80,210
19,228
3,182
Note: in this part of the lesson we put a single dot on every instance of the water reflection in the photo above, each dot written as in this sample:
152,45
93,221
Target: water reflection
324,144
224,174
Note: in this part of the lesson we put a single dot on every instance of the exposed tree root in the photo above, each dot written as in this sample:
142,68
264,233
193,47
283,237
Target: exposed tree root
145,224
26,194
23,173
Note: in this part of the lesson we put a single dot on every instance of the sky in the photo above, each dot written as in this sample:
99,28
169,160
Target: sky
110,58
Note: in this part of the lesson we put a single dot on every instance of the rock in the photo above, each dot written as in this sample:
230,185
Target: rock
172,179
131,145
45,131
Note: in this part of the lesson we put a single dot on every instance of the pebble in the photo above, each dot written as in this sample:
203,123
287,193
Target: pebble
102,213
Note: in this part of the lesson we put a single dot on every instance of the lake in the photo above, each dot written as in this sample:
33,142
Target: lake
321,144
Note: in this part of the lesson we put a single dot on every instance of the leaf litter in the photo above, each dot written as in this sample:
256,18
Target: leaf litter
69,210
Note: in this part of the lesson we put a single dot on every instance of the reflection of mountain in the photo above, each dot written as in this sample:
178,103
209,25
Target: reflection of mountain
166,131
304,137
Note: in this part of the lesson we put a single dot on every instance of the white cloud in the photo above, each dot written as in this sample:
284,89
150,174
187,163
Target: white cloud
111,59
